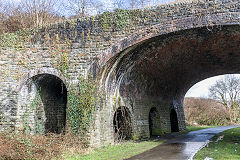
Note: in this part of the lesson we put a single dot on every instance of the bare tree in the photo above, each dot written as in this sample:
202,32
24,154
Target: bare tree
120,4
130,4
76,7
10,17
133,4
227,92
81,8
39,10
143,3
97,5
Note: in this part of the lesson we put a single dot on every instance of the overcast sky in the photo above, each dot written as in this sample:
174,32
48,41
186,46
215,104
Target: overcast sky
200,89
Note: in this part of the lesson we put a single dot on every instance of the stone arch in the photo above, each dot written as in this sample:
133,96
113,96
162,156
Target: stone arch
161,65
166,66
43,99
122,124
52,71
174,121
153,120
207,20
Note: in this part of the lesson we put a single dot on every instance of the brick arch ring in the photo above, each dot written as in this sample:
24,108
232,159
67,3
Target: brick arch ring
51,71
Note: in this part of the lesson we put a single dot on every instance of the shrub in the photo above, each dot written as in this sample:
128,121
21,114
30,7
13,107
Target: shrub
205,112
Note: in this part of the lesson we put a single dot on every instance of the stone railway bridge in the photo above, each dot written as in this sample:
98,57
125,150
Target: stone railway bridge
144,60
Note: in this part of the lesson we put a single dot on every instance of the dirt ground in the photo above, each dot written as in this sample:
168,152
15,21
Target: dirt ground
22,146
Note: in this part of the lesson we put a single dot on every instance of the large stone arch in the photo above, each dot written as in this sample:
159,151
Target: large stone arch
161,69
205,19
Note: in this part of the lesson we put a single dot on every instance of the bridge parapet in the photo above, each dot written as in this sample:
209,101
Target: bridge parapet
105,35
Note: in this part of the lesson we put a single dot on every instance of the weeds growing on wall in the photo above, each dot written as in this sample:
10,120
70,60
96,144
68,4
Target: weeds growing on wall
63,64
81,100
117,20
38,125
15,39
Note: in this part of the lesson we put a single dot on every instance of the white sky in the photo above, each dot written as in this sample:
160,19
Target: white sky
200,89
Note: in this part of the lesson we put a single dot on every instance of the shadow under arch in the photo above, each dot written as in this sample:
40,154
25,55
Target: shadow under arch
174,121
152,118
50,103
163,68
122,124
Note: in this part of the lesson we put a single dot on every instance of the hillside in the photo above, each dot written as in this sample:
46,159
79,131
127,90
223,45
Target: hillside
200,111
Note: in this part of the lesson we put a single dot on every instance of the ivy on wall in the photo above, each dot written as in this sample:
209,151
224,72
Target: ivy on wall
39,127
81,105
63,63
16,39
117,20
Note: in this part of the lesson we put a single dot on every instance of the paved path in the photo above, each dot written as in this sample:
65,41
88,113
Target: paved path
182,147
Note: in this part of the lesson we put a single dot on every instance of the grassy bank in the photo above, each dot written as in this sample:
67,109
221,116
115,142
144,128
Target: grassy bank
125,150
116,152
225,145
52,146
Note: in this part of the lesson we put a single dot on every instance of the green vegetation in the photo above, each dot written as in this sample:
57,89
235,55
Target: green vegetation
117,20
195,128
224,146
15,39
63,64
29,112
117,152
81,100
205,112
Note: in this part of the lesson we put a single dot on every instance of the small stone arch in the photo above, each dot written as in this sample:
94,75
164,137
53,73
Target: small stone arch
122,124
32,73
174,121
43,99
153,122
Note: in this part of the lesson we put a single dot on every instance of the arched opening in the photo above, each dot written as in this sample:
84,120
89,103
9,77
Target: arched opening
48,107
160,70
153,122
174,121
122,124
213,101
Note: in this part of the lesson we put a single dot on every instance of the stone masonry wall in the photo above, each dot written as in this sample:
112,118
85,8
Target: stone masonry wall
93,46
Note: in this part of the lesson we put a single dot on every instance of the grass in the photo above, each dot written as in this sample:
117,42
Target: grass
116,152
227,148
124,150
195,128
52,146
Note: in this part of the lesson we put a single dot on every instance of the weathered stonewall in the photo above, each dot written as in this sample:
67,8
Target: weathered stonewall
141,59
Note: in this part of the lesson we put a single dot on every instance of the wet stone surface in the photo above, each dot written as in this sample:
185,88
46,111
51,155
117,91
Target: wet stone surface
182,147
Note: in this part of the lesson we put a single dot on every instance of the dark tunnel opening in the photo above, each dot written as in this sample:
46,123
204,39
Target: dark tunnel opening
153,121
122,124
174,121
53,94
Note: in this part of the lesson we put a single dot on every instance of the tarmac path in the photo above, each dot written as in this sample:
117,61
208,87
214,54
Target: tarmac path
181,147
